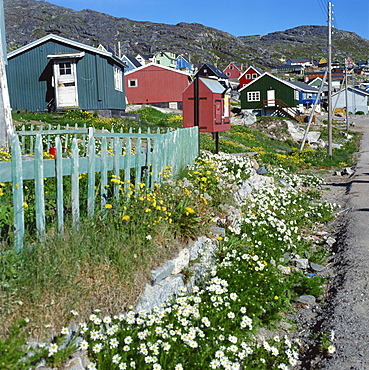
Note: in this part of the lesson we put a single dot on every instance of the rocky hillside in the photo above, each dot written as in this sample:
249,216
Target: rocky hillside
28,20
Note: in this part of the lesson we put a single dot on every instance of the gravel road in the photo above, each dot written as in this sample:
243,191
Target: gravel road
345,313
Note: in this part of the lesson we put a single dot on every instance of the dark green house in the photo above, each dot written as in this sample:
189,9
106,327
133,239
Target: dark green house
54,73
269,95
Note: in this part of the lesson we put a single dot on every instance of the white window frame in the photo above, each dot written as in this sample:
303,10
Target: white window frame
133,82
254,75
297,95
253,96
118,78
248,76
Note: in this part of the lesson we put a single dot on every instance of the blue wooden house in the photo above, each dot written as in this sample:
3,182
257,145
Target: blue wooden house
183,64
131,62
54,73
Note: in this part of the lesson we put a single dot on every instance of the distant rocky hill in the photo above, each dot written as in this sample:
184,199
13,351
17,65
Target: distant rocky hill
28,20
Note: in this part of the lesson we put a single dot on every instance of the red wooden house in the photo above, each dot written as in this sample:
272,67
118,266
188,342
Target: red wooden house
213,106
233,70
156,85
251,74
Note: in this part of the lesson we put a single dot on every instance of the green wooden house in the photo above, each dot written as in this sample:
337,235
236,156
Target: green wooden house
166,59
54,73
269,95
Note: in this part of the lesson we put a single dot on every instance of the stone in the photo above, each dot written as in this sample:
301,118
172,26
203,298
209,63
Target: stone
217,231
285,183
306,299
284,269
261,171
316,267
162,272
197,246
348,171
330,241
301,263
254,163
155,296
181,261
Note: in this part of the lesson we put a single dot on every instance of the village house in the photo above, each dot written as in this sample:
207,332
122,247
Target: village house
251,73
131,62
64,74
233,70
165,58
156,85
183,64
144,58
357,99
269,95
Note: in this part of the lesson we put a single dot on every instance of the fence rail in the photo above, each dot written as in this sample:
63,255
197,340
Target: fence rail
124,154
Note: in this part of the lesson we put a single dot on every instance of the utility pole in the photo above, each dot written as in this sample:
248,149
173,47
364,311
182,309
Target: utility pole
346,99
6,123
329,78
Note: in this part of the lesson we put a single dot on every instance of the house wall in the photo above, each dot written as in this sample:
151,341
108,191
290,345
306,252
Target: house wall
244,80
155,85
356,102
262,85
207,109
30,79
232,72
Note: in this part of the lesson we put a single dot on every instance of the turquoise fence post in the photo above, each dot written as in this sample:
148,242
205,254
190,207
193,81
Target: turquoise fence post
104,174
128,164
39,188
117,153
18,202
75,184
91,176
59,185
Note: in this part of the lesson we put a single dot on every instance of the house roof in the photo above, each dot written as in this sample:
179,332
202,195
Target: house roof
294,85
258,70
132,60
304,87
355,90
158,66
299,60
217,71
317,80
145,56
68,42
213,85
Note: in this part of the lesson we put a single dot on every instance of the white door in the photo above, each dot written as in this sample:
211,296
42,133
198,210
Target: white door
65,84
271,98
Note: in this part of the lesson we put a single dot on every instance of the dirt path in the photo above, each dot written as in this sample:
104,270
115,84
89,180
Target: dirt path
346,311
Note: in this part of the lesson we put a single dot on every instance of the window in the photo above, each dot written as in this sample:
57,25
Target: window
133,83
118,79
254,75
65,68
253,96
248,76
297,96
231,67
228,74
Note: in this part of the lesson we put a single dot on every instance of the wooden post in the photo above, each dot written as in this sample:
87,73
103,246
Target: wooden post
330,78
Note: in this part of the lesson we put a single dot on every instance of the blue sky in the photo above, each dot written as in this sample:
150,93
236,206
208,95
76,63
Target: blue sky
243,18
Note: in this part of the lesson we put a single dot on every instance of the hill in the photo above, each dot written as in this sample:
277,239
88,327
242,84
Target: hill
28,20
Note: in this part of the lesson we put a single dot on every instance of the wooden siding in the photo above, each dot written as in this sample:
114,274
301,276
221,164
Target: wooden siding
211,109
263,84
155,85
30,75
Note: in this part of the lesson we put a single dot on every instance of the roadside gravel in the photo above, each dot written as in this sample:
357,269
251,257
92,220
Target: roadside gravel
344,314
